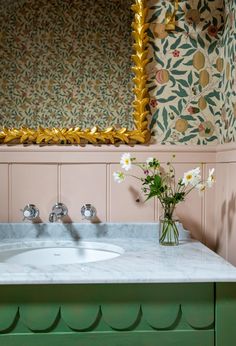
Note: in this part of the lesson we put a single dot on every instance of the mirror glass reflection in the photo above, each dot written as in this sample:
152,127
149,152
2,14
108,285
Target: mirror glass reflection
66,63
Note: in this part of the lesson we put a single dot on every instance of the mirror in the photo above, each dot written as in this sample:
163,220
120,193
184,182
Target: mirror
67,76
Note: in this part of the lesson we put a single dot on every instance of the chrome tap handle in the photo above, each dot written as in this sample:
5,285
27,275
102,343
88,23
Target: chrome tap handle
88,212
52,217
30,212
58,211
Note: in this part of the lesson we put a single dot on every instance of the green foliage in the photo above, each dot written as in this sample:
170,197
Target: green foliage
161,184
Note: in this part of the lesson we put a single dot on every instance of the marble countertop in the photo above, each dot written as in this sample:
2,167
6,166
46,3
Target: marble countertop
143,260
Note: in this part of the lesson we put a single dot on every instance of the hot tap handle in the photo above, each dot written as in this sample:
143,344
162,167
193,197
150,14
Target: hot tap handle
88,211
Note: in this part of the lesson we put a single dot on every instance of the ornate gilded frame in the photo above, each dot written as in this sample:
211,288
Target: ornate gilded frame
110,135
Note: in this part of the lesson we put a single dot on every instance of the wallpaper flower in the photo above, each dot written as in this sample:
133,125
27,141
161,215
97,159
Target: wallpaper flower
191,72
227,54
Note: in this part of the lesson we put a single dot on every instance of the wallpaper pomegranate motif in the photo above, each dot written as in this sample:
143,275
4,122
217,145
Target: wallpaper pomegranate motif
191,72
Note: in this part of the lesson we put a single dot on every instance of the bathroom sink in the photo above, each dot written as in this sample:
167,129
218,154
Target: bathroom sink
55,255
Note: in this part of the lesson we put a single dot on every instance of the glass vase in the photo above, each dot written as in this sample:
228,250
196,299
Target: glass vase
168,232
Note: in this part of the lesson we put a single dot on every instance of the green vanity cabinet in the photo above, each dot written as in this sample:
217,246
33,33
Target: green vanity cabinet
196,314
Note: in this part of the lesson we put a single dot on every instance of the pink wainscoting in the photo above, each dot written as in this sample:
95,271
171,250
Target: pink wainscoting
209,213
190,211
127,202
74,175
35,184
231,212
4,192
104,154
221,227
226,202
83,183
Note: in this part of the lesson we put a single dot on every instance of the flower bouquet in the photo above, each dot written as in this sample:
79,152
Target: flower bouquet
160,183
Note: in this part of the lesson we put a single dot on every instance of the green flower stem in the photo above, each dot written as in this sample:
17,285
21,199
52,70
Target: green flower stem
168,231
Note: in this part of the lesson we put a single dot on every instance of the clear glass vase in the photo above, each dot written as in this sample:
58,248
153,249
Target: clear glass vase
168,232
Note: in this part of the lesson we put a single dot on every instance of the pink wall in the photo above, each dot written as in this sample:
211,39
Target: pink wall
225,219
74,175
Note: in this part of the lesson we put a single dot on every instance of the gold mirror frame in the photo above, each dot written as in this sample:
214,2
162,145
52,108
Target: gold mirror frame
75,135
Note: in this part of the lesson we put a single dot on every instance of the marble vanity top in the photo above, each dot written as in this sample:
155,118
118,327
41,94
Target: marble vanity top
143,260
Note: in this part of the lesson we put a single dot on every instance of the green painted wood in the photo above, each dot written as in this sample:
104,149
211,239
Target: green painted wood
225,314
193,338
8,315
198,305
161,310
121,316
196,302
162,316
32,300
101,311
81,316
39,317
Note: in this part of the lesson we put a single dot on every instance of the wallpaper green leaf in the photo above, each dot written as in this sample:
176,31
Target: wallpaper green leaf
225,64
201,77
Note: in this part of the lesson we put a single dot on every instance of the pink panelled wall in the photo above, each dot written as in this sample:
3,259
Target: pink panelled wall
74,176
225,220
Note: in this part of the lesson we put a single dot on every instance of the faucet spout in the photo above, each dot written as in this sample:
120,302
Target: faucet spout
52,217
59,210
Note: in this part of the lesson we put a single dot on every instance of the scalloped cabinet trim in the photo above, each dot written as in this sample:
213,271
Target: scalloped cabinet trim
125,314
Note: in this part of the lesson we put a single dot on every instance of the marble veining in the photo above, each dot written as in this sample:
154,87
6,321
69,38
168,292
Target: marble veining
143,260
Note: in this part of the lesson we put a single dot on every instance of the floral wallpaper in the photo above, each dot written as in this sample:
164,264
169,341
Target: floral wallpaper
188,77
47,79
65,62
227,53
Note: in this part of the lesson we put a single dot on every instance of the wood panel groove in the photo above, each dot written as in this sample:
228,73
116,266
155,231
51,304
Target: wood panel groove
9,192
108,187
59,182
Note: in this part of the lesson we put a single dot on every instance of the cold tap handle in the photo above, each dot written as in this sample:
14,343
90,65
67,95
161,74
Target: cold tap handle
30,212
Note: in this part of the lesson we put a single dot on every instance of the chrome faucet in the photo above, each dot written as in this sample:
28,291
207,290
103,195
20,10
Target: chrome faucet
59,210
88,212
30,212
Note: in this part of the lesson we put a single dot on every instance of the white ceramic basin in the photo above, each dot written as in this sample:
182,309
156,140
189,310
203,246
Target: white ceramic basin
54,255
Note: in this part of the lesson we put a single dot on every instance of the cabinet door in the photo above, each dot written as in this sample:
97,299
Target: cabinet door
127,203
83,183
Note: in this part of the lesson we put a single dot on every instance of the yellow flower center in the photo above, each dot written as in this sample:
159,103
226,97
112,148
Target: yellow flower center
127,161
189,177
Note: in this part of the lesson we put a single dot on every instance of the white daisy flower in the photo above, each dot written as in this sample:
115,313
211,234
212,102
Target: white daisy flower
126,161
119,177
197,179
201,187
196,171
192,177
211,177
